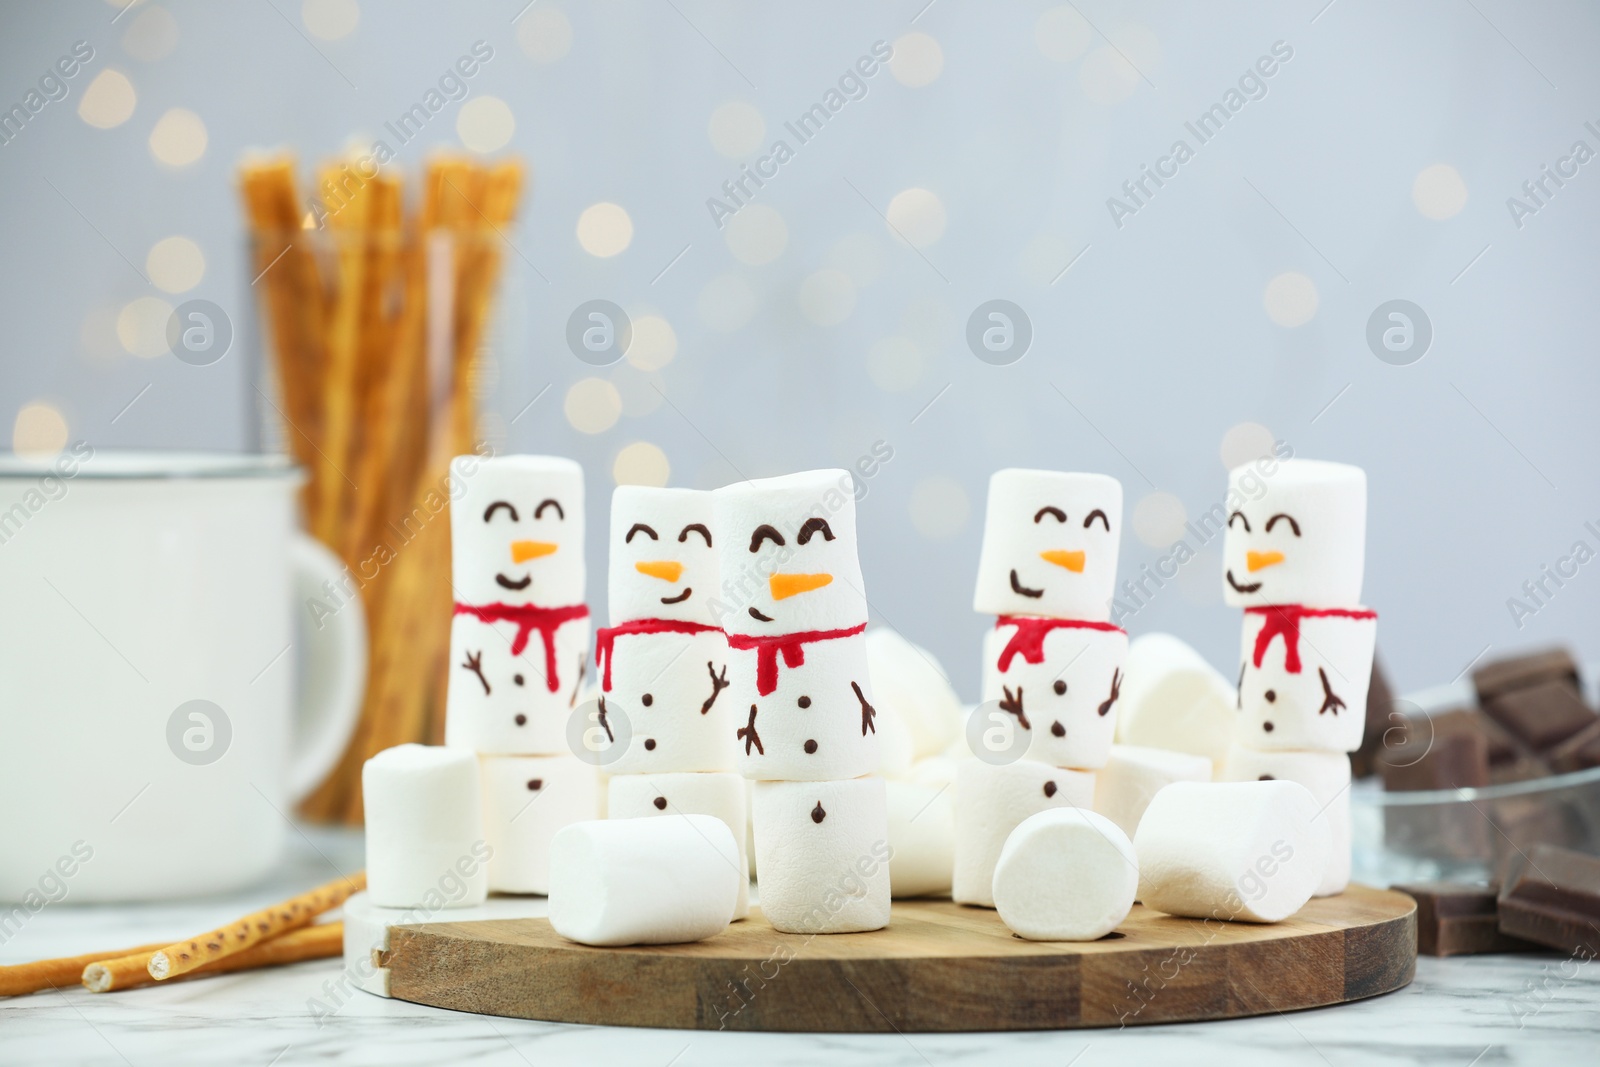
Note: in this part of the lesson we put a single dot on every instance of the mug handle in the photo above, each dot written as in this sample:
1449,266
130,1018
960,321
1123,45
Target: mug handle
332,631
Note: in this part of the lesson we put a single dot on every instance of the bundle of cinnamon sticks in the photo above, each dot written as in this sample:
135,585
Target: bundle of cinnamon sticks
375,319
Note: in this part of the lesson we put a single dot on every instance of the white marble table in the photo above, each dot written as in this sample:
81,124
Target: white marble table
1536,1009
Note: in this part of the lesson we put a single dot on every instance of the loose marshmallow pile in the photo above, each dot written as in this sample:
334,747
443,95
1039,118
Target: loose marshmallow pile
1173,699
1052,665
1293,559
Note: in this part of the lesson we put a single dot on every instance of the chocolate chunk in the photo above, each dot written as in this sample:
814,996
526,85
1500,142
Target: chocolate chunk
1554,899
1380,701
1578,752
1503,748
1446,760
1518,823
1458,920
1502,676
1541,716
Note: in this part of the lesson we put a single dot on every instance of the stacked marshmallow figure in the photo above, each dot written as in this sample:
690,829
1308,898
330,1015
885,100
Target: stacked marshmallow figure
1293,558
518,647
803,702
663,667
1053,660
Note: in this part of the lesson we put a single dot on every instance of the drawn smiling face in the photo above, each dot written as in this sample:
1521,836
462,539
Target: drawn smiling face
516,526
787,548
1050,544
663,556
1296,535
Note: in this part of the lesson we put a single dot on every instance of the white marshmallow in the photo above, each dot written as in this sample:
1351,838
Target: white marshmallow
526,801
500,701
424,823
1046,550
1237,850
912,686
1065,875
516,518
641,796
936,771
1069,698
674,692
922,834
1131,778
1172,698
895,754
992,801
1320,706
662,562
1327,776
643,881
772,582
822,849
1315,551
815,726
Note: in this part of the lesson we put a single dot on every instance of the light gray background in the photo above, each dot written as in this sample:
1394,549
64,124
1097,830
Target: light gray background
1481,456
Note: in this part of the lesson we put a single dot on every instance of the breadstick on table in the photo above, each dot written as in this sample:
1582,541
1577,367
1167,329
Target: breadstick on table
185,956
23,978
307,943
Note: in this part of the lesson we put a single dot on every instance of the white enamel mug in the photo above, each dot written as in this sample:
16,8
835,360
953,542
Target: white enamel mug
153,622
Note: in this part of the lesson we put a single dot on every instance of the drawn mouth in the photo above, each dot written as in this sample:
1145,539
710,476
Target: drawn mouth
507,583
1237,588
680,598
1018,587
754,614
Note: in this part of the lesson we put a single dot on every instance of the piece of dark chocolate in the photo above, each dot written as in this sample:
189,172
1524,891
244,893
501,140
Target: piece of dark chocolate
1502,676
1518,823
1553,898
1455,919
1380,702
1578,752
1435,759
1541,716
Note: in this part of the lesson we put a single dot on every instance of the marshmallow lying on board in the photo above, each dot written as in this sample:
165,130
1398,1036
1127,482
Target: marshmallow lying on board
526,801
1296,535
922,836
992,801
424,823
660,881
1172,698
1304,677
641,796
823,852
1326,775
1254,851
1131,778
1050,543
1065,875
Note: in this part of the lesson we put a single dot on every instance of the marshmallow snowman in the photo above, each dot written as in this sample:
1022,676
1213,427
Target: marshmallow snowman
800,691
519,639
526,801
1050,542
1296,536
823,852
663,664
1303,677
1061,679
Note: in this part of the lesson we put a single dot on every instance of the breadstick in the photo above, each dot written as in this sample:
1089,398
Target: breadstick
224,941
23,978
307,943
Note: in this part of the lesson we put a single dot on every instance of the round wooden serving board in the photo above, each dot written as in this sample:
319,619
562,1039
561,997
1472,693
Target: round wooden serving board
939,966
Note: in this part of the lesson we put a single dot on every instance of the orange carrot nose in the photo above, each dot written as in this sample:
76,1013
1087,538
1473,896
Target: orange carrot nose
523,551
1261,560
665,569
1073,561
788,585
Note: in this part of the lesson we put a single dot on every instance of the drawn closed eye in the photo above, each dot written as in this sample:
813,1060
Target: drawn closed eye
814,525
488,512
640,527
1061,516
695,527
1097,514
1295,526
549,502
1240,516
765,533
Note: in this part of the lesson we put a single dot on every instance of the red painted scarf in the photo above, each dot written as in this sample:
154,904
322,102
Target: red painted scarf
1284,620
793,647
1028,641
605,639
530,617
